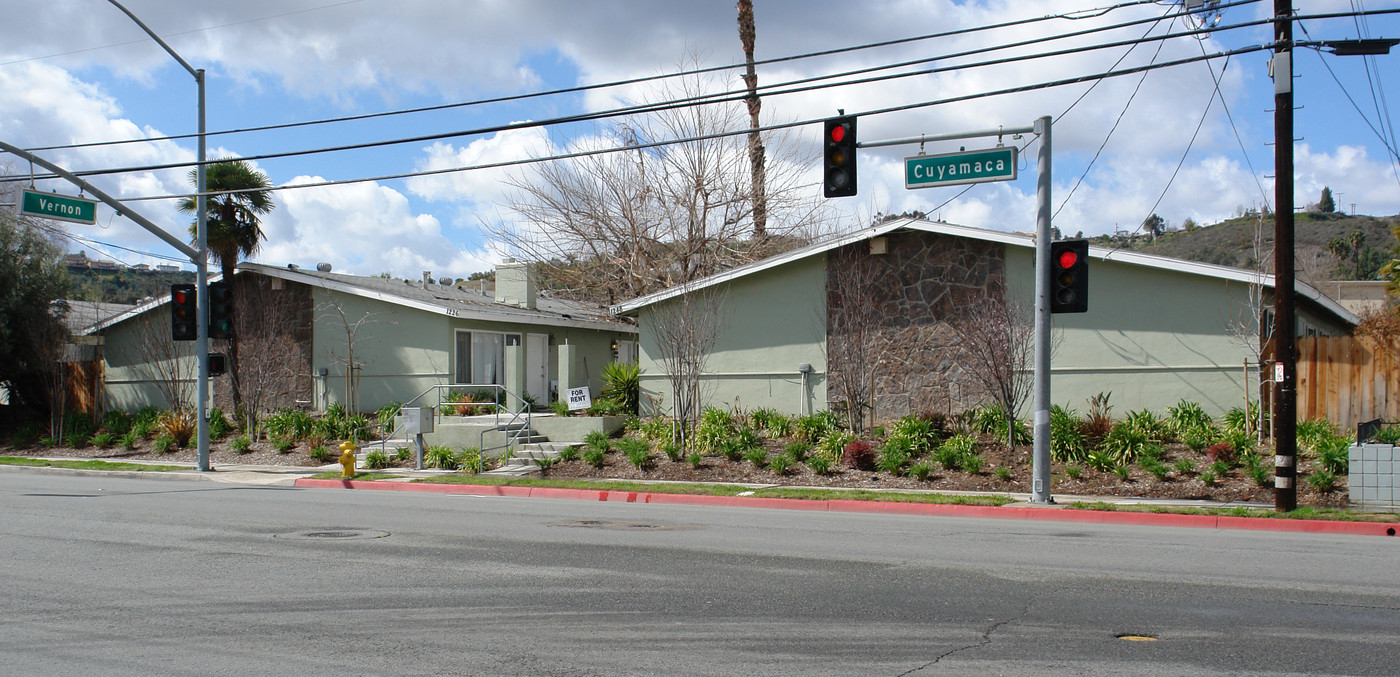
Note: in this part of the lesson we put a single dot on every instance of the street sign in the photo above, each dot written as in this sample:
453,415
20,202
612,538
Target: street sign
61,207
949,169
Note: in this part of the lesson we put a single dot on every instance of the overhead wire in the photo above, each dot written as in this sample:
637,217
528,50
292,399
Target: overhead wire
623,82
726,97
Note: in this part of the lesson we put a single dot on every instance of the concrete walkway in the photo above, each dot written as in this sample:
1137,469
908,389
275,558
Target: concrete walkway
1020,506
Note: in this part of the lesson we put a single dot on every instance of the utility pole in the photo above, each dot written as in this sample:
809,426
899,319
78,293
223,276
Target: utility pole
1285,393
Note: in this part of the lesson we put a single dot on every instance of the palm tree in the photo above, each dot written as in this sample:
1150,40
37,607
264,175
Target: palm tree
240,195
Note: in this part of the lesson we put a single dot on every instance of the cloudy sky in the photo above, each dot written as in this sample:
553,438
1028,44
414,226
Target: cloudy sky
1170,142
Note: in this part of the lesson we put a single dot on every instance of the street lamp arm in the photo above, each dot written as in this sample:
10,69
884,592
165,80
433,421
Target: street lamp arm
111,201
155,37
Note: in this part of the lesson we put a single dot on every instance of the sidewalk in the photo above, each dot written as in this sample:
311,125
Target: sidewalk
1020,508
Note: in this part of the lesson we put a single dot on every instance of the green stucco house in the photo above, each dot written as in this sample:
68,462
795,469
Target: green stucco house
308,338
1158,330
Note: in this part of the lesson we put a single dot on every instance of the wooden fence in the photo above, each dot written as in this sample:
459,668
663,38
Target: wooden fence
1348,379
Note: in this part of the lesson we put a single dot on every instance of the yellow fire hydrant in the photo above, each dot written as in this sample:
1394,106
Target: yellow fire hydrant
347,459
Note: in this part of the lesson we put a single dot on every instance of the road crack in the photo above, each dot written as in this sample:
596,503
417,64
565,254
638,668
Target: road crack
984,640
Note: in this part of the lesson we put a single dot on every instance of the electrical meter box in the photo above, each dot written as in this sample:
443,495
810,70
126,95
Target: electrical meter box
417,420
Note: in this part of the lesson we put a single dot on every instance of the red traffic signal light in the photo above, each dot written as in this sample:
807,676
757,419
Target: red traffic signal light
220,310
1069,276
184,311
839,157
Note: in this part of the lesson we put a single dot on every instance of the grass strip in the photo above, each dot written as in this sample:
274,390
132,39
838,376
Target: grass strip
811,494
1306,512
87,465
360,476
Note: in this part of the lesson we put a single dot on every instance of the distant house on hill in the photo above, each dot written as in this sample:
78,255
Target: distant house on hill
1158,330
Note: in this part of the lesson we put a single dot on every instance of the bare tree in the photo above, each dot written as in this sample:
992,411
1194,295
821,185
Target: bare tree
618,225
1249,328
997,340
332,310
165,363
858,288
273,327
686,329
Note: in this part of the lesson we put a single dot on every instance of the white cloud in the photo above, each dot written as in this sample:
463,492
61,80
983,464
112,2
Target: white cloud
483,186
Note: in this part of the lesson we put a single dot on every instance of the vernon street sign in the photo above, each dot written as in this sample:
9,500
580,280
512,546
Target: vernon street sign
61,207
974,166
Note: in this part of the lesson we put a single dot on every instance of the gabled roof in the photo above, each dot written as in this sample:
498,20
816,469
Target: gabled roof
451,301
1014,239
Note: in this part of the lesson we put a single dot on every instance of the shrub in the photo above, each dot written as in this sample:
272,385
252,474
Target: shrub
731,449
1099,420
636,451
695,459
656,428
1073,471
1314,430
179,426
130,440
242,444
569,453
1068,443
1184,466
559,407
470,459
622,384
820,465
1220,468
1208,478
858,454
1155,467
545,463
385,415
918,431
76,440
1257,471
283,445
322,454
403,454
798,450
1122,471
219,426
25,435
116,422
1220,452
103,440
163,445
1332,455
594,456
1124,442
597,439
1101,460
955,451
143,429
833,445
1150,425
772,423
440,457
376,460
1003,473
920,471
893,458
1387,435
1197,439
1323,481
992,420
1242,442
758,456
815,427
780,464
973,463
1188,416
672,450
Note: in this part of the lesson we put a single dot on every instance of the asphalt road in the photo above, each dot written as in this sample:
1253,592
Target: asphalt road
108,575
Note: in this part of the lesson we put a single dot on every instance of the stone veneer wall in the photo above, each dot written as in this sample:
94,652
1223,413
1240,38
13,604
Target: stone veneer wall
281,320
922,280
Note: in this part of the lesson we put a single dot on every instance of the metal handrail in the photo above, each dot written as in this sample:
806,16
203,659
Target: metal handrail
499,401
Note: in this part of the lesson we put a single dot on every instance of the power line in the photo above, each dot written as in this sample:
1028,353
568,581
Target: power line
772,127
710,99
618,83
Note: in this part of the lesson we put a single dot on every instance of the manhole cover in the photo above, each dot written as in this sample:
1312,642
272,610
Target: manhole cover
623,525
336,534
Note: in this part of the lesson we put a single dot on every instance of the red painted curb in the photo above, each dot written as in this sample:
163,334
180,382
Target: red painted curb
878,507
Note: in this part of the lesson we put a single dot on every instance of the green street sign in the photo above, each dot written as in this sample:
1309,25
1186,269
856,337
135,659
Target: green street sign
949,169
61,207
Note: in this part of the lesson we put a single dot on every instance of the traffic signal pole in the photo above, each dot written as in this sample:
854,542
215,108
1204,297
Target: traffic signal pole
1040,453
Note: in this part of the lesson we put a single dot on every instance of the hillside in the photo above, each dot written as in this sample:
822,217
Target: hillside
1230,243
123,286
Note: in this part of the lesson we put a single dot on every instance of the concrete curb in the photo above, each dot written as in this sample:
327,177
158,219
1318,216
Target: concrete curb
1048,514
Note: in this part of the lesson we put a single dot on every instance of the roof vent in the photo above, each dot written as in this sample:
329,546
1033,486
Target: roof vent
427,278
291,266
446,281
323,267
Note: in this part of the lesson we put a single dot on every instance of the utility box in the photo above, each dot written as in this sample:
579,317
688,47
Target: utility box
417,420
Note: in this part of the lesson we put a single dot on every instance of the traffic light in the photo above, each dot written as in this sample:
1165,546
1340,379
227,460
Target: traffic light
183,313
839,157
1069,276
220,310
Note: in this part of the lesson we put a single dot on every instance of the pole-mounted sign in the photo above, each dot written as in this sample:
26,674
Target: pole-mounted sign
950,169
60,207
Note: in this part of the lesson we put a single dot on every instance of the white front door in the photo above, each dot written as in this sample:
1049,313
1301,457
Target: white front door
537,367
